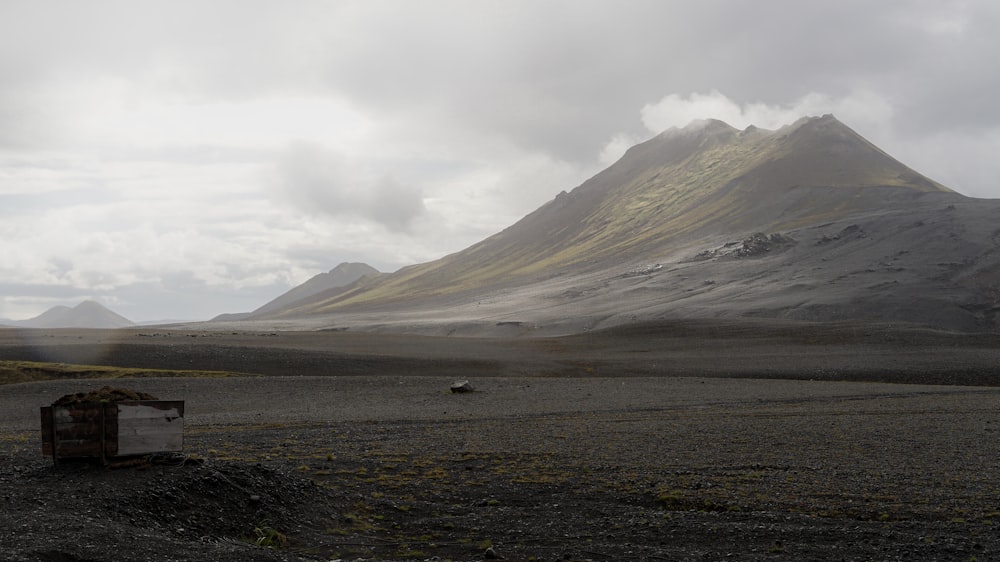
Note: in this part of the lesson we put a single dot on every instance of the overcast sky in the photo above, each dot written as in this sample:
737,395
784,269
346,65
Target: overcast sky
183,159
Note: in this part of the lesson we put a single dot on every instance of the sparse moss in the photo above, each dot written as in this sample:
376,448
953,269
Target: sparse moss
412,554
669,498
32,371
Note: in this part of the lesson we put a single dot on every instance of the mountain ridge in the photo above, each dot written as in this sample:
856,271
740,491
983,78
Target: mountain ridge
574,227
809,222
342,275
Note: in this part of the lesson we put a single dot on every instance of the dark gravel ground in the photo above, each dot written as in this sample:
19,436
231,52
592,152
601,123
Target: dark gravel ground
731,348
524,468
601,465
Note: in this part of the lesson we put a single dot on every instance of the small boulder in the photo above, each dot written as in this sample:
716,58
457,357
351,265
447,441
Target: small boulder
459,387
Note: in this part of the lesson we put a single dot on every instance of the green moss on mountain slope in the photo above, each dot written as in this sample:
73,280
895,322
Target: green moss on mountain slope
683,186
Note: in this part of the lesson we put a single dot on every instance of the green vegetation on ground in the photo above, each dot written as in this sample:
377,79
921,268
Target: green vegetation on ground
31,371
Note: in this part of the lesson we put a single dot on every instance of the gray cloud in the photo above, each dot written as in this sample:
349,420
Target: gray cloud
242,146
577,73
323,181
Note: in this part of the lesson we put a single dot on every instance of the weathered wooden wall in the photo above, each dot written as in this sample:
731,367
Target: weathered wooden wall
112,429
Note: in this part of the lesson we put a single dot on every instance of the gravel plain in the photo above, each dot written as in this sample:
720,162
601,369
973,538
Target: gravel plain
395,466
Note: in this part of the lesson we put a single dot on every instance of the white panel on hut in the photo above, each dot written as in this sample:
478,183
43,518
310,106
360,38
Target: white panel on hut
150,427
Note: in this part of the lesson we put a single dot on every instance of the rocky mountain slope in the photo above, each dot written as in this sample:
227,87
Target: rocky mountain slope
808,222
336,279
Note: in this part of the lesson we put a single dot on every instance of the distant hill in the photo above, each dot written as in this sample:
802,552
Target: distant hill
808,222
337,278
87,314
326,284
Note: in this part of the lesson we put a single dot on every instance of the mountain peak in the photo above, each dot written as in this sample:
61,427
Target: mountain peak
710,126
826,118
352,269
700,128
87,314
337,279
89,305
826,124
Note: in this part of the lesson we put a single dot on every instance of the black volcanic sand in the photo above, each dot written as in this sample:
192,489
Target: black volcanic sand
757,349
562,453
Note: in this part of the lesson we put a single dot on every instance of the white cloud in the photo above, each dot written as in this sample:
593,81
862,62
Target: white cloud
216,153
862,109
961,161
323,181
256,123
616,147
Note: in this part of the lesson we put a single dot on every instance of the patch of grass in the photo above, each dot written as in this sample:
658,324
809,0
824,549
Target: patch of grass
32,371
670,498
268,537
13,442
436,473
355,522
551,478
412,554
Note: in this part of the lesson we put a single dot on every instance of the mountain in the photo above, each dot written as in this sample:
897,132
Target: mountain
807,222
326,284
337,278
87,314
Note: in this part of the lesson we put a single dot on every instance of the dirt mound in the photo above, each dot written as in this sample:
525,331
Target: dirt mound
184,510
105,394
